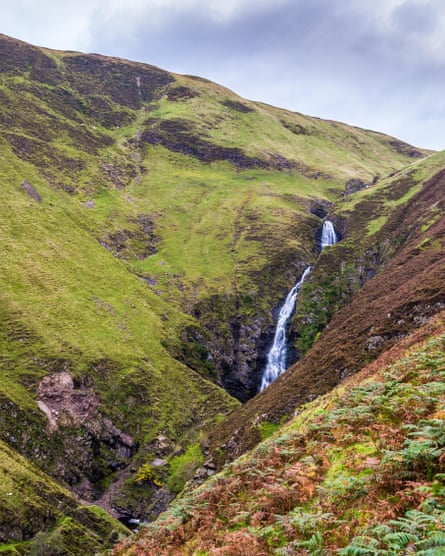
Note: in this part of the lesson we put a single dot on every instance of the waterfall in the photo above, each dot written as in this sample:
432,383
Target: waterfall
328,235
277,356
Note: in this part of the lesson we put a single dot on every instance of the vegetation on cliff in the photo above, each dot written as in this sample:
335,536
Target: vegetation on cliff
38,516
373,289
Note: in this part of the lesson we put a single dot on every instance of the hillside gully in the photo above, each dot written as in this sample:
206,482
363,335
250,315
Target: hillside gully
257,354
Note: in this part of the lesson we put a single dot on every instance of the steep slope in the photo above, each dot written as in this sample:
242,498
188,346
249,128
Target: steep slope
38,516
359,471
86,379
251,228
387,273
149,224
88,385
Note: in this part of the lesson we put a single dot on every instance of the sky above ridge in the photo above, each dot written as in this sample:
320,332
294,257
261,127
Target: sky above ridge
378,64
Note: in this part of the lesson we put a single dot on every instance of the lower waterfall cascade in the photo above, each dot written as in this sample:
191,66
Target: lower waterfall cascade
277,355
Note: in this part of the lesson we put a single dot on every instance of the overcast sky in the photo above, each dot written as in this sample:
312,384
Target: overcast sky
379,64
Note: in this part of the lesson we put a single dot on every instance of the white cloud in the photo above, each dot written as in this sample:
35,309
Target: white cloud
155,13
50,23
414,26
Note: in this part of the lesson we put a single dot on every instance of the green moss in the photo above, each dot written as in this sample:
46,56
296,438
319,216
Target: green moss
16,548
182,467
375,225
68,537
268,429
35,509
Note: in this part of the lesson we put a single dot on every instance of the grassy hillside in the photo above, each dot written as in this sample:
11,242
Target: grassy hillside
243,220
150,225
38,516
69,306
359,471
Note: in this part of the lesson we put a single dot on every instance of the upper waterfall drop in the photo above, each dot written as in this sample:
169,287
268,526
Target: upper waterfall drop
277,356
328,234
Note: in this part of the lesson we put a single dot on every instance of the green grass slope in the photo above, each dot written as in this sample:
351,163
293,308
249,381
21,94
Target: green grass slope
204,195
38,516
359,471
232,187
69,306
149,225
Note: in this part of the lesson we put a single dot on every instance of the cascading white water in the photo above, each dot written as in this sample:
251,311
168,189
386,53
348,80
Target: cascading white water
277,356
328,235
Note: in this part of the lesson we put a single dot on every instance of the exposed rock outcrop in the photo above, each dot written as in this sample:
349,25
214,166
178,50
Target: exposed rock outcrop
73,410
32,192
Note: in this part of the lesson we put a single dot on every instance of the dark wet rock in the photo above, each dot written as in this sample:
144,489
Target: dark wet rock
320,207
374,342
235,344
354,185
162,446
160,501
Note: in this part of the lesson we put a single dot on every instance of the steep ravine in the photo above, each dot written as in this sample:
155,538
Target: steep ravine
111,339
401,294
241,325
